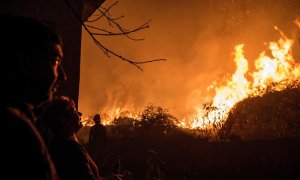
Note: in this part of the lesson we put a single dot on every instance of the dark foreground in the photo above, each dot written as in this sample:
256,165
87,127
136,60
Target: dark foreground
183,157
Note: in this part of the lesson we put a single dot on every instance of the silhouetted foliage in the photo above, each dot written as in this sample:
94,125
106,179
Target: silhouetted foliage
270,123
155,167
155,118
124,127
274,115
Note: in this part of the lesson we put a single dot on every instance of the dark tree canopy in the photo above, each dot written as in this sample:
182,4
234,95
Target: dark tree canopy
158,119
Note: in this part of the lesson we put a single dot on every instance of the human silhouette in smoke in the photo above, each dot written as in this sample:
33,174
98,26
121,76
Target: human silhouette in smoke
31,54
98,140
71,159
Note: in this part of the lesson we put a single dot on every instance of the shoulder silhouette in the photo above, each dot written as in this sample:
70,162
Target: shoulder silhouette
31,54
70,157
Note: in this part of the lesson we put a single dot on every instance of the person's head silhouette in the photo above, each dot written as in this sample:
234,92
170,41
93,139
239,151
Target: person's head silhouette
70,157
62,117
97,119
32,53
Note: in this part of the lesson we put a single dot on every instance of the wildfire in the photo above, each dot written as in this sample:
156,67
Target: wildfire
274,72
277,72
109,117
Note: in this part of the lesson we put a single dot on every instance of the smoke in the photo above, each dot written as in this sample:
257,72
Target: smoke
197,39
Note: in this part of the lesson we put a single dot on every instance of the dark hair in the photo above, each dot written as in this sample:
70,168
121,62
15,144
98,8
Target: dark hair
59,109
21,35
25,42
97,117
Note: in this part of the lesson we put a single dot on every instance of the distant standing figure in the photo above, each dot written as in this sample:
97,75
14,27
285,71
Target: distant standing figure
97,140
71,159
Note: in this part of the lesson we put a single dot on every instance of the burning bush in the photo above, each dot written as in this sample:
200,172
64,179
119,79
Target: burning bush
273,115
155,118
124,127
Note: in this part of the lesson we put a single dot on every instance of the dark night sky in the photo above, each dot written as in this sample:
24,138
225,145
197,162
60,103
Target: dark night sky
197,39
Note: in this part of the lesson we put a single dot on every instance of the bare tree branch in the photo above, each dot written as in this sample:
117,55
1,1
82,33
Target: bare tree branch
109,33
106,10
104,13
113,23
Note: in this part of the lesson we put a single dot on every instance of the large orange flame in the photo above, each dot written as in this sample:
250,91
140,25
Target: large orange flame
279,67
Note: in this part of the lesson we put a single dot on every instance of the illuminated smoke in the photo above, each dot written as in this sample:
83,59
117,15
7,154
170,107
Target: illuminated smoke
197,38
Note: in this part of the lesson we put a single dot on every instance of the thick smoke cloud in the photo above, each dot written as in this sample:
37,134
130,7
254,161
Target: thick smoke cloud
197,39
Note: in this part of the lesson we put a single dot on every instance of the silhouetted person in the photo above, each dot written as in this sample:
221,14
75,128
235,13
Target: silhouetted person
97,140
71,159
30,54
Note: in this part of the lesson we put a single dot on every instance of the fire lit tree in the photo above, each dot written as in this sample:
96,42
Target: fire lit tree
155,118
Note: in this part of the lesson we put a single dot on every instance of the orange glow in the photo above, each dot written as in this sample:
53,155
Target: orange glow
297,22
274,68
108,117
280,68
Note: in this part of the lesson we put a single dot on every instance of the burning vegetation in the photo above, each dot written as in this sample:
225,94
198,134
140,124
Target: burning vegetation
275,70
264,96
247,127
250,127
274,115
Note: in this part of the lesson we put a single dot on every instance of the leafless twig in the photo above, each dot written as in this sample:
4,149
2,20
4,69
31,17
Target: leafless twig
94,31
